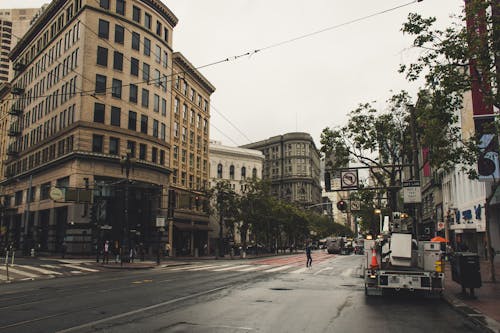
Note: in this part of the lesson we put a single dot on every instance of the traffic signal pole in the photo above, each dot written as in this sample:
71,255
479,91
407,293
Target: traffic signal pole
416,169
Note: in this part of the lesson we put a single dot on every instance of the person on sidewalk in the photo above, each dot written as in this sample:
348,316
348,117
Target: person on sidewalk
105,258
308,255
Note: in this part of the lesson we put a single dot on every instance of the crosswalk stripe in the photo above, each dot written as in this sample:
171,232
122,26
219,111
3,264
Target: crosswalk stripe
324,269
253,268
19,272
229,268
347,272
277,269
207,267
298,271
41,270
189,267
81,268
50,266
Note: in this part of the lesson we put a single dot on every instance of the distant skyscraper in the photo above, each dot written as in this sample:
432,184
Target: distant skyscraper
13,25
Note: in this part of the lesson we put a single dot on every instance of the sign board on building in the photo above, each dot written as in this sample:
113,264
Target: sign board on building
355,205
160,221
412,192
56,194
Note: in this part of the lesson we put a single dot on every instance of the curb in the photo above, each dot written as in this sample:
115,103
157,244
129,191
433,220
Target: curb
478,320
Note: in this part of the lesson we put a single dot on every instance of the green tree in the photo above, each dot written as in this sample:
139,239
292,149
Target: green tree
451,61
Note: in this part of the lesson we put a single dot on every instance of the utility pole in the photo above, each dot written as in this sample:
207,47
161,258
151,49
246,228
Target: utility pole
415,169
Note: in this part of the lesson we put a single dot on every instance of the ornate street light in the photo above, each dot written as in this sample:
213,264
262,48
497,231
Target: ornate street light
127,163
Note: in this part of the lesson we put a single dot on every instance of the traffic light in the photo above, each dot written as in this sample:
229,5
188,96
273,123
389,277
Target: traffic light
328,182
342,205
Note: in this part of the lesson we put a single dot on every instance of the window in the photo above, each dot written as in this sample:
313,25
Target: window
100,84
156,104
165,59
254,173
132,120
231,172
162,157
116,88
157,53
97,143
133,93
119,34
183,155
102,56
163,131
134,66
165,34
118,60
176,152
219,170
176,106
114,146
243,172
136,14
176,129
144,124
103,29
115,116
145,72
44,191
155,128
104,4
145,98
142,151
154,155
147,46
99,110
136,41
156,77
120,7
147,20
184,134
131,148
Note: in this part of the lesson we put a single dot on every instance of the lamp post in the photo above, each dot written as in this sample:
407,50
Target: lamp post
126,162
378,211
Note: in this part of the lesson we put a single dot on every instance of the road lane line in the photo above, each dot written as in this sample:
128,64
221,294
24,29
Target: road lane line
50,266
81,268
19,272
43,271
128,314
277,269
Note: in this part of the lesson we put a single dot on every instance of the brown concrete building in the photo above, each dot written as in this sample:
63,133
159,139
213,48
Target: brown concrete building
14,23
89,155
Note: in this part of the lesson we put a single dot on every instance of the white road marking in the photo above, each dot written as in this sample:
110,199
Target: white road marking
50,266
19,272
347,272
277,269
324,269
301,270
253,268
189,267
81,268
207,267
229,268
76,272
43,271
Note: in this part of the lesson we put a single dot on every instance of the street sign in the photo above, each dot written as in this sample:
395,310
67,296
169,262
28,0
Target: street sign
349,179
411,191
160,222
355,205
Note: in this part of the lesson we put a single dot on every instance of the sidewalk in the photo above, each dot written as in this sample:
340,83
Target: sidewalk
484,311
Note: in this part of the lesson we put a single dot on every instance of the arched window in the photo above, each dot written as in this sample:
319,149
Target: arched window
243,172
219,170
254,173
231,172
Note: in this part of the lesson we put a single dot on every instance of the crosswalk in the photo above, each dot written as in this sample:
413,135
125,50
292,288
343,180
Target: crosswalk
239,267
31,272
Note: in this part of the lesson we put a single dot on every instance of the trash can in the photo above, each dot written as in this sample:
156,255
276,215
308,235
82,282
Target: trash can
465,269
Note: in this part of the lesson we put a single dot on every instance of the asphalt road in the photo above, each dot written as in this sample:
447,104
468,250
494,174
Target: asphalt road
269,295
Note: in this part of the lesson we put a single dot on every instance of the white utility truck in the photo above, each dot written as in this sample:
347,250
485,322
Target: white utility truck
396,262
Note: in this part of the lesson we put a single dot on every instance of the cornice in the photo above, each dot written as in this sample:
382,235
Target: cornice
187,67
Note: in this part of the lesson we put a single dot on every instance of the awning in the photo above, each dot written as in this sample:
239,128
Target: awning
191,227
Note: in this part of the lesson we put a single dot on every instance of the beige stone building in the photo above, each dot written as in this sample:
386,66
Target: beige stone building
235,165
292,164
90,142
14,23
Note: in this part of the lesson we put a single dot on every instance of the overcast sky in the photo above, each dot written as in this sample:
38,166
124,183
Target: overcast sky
305,85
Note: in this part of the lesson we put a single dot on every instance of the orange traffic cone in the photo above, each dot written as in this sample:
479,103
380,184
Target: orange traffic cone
374,259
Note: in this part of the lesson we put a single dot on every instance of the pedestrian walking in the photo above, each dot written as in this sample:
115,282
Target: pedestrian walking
308,255
132,254
105,258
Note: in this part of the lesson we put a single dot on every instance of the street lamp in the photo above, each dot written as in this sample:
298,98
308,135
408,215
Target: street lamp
378,212
126,162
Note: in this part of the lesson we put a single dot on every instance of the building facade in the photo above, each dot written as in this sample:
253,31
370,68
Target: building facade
234,165
14,23
292,164
91,127
189,137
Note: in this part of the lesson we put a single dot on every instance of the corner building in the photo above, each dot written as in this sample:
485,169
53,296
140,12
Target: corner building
91,113
292,165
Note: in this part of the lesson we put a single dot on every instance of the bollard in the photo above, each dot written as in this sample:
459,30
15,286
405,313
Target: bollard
13,255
